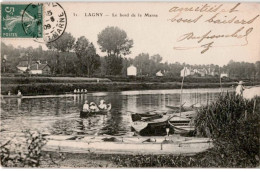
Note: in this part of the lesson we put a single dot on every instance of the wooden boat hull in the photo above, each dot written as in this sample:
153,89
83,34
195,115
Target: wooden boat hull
145,117
181,128
89,114
152,129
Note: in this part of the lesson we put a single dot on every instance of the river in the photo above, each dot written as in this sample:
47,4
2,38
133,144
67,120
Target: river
60,114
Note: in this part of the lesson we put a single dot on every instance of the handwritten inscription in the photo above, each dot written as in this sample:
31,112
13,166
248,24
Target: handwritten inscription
215,14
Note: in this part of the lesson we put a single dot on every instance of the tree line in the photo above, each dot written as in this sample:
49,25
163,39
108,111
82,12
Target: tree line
78,57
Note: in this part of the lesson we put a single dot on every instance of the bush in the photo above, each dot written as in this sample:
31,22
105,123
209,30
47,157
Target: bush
233,123
29,154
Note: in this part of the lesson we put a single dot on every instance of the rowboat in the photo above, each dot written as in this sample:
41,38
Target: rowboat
12,96
145,116
100,112
181,129
157,127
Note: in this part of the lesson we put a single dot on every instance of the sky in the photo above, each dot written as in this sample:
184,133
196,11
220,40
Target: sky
158,35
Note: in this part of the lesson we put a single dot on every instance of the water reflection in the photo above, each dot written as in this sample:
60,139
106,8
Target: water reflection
60,115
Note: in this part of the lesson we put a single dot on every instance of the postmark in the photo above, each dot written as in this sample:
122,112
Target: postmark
21,21
55,21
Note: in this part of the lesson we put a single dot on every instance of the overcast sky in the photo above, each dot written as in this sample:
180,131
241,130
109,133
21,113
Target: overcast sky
157,35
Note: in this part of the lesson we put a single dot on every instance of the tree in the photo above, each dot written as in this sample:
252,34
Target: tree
86,53
64,44
114,41
141,61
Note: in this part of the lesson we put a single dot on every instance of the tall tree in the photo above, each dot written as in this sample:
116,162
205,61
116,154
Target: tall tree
114,41
116,44
64,44
86,53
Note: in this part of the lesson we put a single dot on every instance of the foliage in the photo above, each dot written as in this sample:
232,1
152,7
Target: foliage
114,65
233,123
114,41
87,55
243,69
28,154
70,64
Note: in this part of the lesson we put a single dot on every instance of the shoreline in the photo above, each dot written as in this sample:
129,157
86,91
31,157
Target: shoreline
63,88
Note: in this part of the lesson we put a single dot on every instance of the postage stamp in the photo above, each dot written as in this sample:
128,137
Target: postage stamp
21,20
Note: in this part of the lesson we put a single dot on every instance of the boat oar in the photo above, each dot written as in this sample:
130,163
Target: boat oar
172,116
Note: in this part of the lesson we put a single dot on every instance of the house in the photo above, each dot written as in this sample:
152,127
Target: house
159,73
186,72
34,67
39,68
22,66
201,72
131,71
223,74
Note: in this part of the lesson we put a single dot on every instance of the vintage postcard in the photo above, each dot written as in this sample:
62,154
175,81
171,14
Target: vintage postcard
130,84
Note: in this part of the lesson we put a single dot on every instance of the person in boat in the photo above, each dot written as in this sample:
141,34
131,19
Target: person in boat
102,105
82,90
78,91
19,93
86,107
240,88
93,107
75,90
85,90
9,93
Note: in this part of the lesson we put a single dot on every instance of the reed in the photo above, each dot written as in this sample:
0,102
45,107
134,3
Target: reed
233,123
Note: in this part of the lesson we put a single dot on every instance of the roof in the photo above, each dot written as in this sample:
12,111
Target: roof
40,66
22,64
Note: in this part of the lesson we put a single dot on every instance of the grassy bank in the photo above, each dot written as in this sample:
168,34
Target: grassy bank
62,88
36,85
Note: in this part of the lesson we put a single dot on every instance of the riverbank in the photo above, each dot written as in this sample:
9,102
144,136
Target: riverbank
37,85
62,88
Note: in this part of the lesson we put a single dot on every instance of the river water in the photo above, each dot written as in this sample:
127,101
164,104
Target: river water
60,114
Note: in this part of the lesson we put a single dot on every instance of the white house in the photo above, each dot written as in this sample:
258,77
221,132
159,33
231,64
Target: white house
34,68
223,75
159,73
185,72
131,71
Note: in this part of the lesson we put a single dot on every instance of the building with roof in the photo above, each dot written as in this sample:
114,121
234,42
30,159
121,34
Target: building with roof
159,73
34,67
131,71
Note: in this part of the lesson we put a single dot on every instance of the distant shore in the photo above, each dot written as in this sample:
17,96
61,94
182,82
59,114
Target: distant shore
62,88
30,86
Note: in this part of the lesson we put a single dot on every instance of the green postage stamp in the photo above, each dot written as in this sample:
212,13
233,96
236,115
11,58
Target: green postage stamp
21,20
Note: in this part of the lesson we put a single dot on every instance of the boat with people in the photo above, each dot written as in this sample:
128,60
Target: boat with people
12,96
86,114
9,95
